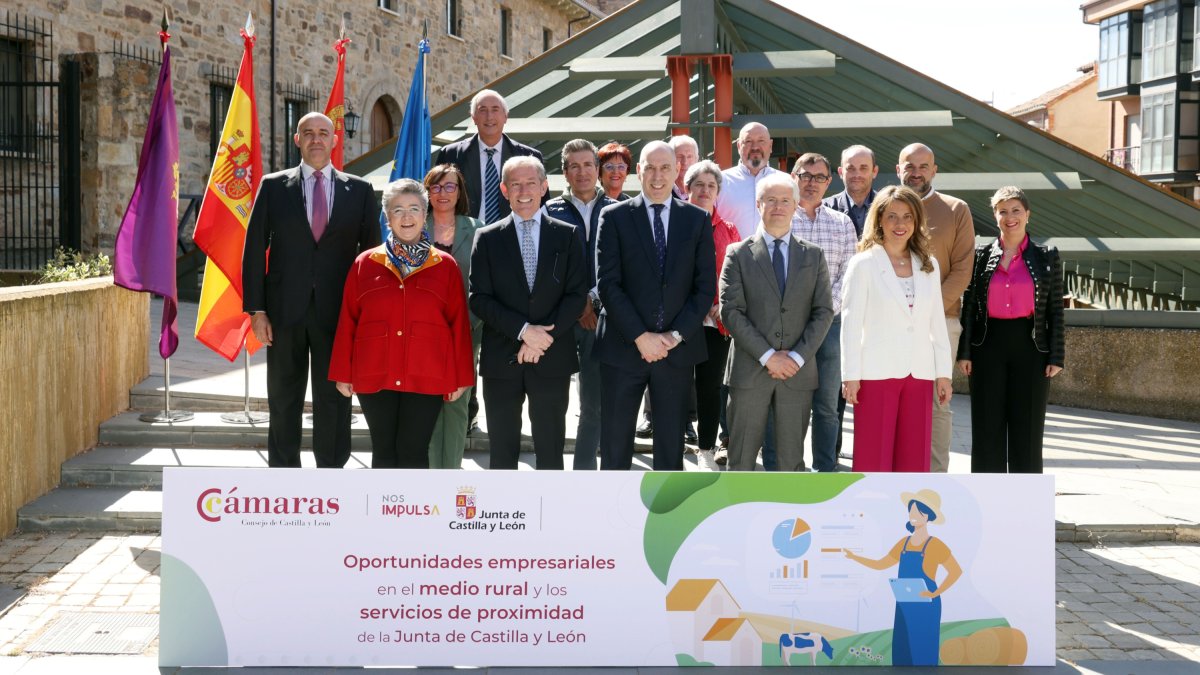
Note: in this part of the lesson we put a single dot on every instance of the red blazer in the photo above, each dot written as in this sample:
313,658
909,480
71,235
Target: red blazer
411,334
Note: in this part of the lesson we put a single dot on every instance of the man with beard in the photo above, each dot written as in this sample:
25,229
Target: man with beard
952,242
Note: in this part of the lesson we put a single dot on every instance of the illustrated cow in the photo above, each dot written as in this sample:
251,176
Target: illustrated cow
803,643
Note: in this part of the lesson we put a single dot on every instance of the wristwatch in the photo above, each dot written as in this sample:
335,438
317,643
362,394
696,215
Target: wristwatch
596,304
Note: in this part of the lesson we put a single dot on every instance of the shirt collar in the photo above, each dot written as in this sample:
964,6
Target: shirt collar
307,171
484,147
570,196
929,195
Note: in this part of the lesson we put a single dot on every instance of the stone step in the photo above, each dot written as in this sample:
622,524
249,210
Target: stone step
148,396
93,509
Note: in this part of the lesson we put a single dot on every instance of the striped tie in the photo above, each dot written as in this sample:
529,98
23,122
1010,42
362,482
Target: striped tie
528,252
491,189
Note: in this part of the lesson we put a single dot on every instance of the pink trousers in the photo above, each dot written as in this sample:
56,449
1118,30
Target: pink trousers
893,424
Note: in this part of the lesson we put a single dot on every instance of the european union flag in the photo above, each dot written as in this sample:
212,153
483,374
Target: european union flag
416,137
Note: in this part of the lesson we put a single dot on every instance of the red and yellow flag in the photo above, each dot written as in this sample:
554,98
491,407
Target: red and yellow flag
221,226
335,108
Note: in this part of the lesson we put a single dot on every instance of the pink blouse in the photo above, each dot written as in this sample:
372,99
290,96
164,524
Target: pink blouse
1010,295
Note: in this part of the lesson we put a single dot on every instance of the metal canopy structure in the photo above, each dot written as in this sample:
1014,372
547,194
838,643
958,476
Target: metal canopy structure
706,67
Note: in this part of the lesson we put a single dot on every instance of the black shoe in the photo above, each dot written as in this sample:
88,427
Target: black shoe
689,434
645,429
473,430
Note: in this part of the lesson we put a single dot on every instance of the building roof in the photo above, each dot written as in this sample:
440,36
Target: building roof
825,93
688,594
1043,101
724,630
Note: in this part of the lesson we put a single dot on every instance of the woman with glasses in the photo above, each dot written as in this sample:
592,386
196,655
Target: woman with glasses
403,341
615,162
452,231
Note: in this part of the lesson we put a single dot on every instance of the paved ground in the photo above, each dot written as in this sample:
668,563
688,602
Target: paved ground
1122,607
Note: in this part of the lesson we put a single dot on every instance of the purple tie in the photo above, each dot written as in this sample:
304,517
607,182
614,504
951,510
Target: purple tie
320,209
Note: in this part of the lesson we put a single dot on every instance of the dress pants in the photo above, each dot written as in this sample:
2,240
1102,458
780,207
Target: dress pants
449,438
288,360
825,421
401,424
709,376
892,425
503,400
587,434
748,408
620,396
943,420
1008,399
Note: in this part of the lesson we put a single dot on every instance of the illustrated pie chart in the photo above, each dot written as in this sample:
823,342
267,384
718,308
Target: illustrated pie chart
792,538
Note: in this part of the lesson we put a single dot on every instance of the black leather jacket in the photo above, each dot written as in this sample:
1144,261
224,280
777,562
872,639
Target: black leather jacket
1045,266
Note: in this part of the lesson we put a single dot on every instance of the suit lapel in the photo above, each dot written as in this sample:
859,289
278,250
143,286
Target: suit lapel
796,253
294,186
761,254
644,231
678,230
462,234
341,190
883,267
469,163
548,250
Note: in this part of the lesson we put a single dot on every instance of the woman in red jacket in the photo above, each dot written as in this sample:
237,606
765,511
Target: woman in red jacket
403,342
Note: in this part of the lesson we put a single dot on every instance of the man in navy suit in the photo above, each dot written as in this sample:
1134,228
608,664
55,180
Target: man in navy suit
580,205
528,286
314,220
656,272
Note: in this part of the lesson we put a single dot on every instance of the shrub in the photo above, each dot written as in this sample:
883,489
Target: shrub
68,265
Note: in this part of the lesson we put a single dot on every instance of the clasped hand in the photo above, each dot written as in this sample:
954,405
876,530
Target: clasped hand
781,366
654,346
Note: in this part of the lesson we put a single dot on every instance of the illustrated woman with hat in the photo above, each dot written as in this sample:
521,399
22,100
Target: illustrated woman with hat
917,627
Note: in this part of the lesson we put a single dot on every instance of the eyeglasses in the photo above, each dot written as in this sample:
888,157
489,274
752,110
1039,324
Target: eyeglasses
448,188
818,178
615,167
398,212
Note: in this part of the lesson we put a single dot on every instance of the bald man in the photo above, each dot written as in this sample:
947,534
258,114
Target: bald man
737,202
314,220
952,242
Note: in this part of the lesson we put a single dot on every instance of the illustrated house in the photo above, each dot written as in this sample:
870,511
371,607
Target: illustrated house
733,642
694,605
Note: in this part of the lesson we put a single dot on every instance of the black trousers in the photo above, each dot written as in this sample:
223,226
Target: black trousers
1008,399
709,376
503,400
401,425
288,361
620,396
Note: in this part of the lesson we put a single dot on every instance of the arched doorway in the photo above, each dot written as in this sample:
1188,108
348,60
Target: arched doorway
382,127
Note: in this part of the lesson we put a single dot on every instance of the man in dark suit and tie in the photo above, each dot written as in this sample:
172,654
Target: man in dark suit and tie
580,205
528,287
481,157
314,220
777,305
656,273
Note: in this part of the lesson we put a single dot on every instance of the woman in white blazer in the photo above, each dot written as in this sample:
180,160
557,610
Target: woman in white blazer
895,348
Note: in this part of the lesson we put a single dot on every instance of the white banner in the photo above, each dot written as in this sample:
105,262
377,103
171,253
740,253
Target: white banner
442,568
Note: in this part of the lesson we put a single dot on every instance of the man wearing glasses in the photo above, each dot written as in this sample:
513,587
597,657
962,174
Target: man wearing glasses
834,233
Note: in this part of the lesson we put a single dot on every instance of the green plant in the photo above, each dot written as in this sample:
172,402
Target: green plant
69,265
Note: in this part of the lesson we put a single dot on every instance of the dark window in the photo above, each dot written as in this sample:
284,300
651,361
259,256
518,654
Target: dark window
389,5
454,18
506,31
219,95
547,39
14,70
293,110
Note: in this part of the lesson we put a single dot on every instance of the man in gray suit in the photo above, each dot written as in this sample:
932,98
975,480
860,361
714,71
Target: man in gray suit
777,304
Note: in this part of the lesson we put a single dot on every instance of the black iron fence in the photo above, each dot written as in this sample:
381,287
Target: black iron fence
39,173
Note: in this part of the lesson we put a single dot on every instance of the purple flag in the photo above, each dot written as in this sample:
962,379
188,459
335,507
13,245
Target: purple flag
145,251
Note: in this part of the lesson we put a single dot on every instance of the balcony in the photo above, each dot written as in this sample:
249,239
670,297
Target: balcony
1126,158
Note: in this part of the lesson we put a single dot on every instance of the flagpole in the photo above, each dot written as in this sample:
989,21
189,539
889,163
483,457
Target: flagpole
246,416
166,415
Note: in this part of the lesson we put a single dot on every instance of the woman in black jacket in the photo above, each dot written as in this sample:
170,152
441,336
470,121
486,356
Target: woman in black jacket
1012,341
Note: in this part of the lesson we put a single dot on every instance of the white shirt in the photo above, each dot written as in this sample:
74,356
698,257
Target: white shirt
483,160
666,216
309,182
736,201
585,209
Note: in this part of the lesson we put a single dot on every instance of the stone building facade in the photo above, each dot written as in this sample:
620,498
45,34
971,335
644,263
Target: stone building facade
116,44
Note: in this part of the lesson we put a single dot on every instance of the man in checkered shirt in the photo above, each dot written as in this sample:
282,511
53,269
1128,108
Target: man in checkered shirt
834,233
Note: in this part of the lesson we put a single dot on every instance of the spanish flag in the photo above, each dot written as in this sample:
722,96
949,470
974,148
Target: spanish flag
221,226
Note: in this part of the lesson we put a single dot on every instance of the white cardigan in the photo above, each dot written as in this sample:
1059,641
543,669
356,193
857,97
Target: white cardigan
881,337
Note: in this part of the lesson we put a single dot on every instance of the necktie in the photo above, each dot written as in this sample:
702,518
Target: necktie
660,245
491,189
528,253
320,206
777,262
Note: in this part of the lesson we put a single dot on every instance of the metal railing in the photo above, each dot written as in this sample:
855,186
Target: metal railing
1127,158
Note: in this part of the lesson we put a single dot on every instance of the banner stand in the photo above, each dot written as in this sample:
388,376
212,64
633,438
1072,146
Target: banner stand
166,414
246,416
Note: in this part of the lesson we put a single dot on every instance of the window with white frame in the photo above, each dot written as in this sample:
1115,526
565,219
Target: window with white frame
1114,52
1158,132
453,18
1160,39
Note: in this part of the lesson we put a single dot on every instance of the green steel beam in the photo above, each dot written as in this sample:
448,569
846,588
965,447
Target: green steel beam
564,129
807,63
618,68
862,123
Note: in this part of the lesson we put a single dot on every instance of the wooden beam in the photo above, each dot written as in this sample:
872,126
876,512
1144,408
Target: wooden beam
618,68
808,63
851,123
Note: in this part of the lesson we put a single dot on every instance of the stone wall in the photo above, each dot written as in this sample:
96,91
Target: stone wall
206,44
71,353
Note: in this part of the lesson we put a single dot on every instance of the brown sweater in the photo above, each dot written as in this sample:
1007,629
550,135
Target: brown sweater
952,239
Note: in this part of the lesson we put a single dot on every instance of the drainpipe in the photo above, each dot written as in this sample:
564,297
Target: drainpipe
274,52
572,22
